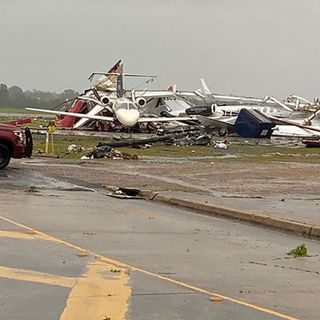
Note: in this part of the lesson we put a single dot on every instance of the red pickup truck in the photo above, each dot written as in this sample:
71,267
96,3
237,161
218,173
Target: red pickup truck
15,142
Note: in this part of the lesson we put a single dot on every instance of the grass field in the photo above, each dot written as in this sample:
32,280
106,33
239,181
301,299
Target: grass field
11,114
16,110
237,151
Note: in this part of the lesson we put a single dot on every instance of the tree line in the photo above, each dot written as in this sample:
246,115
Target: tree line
15,97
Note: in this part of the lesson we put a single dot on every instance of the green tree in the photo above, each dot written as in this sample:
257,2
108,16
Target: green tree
16,97
4,99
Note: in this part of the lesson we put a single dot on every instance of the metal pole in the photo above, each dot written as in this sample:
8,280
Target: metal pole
52,148
47,143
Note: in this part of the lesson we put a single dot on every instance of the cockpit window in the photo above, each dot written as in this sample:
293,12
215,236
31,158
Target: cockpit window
126,106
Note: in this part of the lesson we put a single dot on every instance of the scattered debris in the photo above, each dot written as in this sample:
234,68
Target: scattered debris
125,193
194,138
142,146
19,122
83,254
30,232
110,153
88,233
241,197
202,140
221,145
32,189
141,141
76,148
216,299
299,251
312,143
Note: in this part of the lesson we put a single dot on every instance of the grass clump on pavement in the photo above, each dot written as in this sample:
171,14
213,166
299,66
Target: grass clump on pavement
299,251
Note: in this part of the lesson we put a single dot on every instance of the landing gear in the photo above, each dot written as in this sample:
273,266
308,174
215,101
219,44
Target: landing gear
221,132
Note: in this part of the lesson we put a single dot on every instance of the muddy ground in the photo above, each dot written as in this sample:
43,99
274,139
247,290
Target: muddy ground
239,179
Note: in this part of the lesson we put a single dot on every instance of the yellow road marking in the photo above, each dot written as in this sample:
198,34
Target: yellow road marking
39,277
17,235
99,294
155,275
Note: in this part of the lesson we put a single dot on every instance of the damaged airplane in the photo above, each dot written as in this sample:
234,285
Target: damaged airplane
108,103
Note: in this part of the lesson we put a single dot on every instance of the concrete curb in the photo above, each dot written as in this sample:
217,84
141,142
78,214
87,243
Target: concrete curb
315,232
261,219
209,209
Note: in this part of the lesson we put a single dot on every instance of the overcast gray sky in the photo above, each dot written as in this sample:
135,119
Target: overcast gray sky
250,47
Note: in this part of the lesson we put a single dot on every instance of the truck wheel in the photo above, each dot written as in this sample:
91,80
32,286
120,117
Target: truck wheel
4,156
29,143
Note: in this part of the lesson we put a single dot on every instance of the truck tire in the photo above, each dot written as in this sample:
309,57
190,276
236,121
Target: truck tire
4,156
29,143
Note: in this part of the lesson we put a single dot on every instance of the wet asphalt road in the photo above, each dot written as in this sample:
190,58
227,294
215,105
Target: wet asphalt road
158,262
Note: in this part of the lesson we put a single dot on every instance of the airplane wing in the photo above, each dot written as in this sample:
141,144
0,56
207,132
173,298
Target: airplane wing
164,119
154,94
292,131
110,119
291,123
73,114
217,122
94,111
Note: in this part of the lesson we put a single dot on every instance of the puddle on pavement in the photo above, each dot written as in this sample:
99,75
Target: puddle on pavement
21,179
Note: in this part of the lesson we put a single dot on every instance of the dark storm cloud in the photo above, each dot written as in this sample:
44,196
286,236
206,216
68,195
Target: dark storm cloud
243,47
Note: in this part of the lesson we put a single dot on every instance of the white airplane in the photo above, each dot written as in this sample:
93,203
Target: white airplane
202,101
295,112
297,127
293,116
292,102
109,102
122,105
286,127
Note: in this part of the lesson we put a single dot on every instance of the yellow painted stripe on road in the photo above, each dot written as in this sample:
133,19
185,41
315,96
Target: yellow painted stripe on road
155,275
17,235
101,293
38,277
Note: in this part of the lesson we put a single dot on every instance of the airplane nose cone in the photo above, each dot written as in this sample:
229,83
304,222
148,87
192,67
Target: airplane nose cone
128,117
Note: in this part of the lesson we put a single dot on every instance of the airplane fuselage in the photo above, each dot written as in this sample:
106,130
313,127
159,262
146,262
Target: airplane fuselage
126,112
269,111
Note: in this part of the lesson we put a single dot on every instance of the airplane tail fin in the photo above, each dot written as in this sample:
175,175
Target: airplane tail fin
110,81
173,88
204,87
118,67
208,97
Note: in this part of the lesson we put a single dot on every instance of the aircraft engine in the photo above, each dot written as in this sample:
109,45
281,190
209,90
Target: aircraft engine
141,102
105,100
